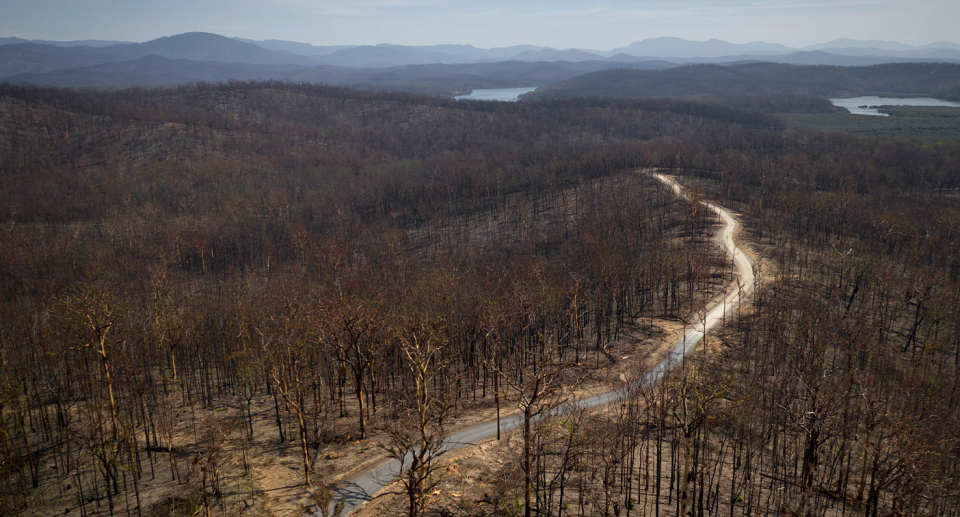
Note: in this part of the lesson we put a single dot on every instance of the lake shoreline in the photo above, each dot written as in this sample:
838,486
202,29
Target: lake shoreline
496,94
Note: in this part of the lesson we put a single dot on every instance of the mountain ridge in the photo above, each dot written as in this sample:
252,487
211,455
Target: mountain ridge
198,56
663,47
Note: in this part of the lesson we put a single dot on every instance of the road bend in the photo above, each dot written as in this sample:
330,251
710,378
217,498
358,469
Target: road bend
365,485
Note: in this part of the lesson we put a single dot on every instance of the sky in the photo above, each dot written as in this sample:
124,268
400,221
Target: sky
487,24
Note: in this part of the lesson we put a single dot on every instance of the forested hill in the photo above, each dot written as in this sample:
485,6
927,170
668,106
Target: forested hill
940,80
48,130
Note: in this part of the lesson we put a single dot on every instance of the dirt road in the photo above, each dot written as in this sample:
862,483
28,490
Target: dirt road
365,485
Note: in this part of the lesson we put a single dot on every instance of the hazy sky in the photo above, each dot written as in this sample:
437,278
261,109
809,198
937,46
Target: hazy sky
483,23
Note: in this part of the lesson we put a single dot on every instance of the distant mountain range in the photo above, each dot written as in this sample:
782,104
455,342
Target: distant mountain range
78,43
18,58
437,69
676,50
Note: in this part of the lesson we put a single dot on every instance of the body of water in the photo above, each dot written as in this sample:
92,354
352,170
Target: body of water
498,94
869,105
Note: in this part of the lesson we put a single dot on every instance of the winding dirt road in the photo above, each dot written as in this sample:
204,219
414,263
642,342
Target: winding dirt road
365,485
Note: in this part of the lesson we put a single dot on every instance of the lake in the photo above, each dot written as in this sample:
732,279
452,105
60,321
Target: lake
497,94
853,104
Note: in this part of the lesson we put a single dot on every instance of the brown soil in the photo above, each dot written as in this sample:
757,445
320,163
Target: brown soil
472,473
261,477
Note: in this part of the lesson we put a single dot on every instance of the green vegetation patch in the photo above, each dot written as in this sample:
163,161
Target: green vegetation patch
932,123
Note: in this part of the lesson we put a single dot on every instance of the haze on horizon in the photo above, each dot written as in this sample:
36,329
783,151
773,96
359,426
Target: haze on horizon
495,23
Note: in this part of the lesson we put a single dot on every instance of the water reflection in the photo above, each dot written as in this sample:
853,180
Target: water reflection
497,94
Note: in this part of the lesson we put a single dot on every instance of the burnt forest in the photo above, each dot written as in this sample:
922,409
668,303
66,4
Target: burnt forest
236,298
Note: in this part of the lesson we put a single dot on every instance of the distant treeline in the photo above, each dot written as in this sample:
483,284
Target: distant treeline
940,80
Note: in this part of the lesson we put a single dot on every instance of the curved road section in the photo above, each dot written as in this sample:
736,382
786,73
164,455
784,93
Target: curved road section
365,485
